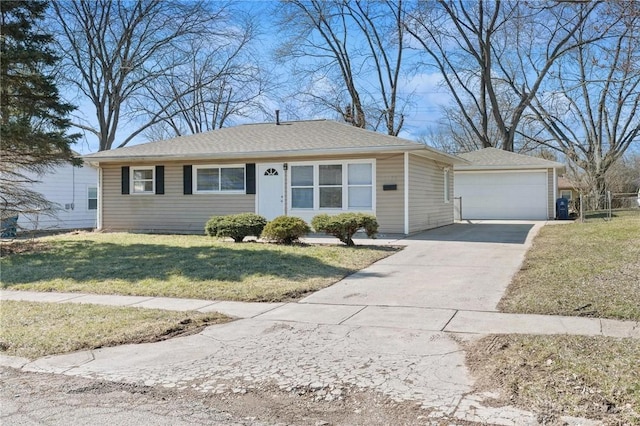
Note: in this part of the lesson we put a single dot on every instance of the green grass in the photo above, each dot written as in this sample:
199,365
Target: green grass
578,269
601,215
33,330
581,269
591,377
186,266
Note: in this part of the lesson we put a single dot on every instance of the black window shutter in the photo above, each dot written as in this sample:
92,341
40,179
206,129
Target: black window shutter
250,182
125,180
187,174
160,180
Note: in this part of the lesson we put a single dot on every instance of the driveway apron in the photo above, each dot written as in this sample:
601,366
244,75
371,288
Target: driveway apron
462,266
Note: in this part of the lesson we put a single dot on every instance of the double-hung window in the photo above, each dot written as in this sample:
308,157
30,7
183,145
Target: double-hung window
333,186
302,187
330,186
142,179
219,179
92,198
360,181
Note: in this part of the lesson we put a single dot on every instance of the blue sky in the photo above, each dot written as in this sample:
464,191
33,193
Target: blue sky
422,114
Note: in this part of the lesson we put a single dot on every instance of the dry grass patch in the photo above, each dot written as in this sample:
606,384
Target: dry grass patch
581,269
593,377
187,266
33,330
13,247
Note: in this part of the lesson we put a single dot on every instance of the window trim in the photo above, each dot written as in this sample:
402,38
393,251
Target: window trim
194,178
562,191
292,186
447,185
132,189
344,186
89,198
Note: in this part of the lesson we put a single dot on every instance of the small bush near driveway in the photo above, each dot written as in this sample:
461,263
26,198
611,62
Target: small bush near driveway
285,229
212,225
236,226
343,226
189,266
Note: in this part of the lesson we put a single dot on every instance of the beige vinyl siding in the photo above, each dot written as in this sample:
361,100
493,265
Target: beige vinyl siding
176,212
390,204
171,212
427,206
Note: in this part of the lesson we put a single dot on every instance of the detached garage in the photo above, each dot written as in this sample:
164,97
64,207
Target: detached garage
498,184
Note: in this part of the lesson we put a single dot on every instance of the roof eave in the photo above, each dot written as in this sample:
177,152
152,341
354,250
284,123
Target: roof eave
442,156
92,158
510,167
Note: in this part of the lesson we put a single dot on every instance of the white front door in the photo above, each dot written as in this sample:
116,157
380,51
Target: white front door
270,190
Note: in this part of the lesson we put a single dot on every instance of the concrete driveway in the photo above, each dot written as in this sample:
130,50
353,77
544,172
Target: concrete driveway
464,266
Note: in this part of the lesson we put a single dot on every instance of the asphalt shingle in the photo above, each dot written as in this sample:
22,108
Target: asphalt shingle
267,138
500,158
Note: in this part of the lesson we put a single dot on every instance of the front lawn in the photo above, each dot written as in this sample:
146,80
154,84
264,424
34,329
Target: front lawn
581,269
33,330
593,377
186,266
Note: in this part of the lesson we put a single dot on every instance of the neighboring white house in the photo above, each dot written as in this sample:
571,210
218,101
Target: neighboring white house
74,192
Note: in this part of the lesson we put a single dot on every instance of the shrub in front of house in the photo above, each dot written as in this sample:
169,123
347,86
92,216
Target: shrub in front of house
236,226
211,227
285,229
344,225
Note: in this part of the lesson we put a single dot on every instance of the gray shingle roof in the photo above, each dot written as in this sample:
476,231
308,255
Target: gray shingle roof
314,137
566,183
488,158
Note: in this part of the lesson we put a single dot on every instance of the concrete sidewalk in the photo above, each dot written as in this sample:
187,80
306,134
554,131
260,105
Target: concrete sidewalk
398,317
405,353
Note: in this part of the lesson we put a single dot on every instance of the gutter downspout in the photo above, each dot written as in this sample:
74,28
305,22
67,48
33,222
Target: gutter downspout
73,188
406,193
99,212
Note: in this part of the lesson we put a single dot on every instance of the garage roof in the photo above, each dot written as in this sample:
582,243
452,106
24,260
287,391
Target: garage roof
499,159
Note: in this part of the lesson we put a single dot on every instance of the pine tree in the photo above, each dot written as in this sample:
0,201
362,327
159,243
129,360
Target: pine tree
33,118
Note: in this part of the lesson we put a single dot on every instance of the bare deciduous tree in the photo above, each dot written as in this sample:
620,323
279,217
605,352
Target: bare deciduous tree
623,177
486,50
590,111
115,51
349,56
221,82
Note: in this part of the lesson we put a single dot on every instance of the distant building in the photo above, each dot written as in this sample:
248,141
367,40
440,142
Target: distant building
74,192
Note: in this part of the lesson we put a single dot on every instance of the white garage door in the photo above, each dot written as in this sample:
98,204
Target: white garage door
512,195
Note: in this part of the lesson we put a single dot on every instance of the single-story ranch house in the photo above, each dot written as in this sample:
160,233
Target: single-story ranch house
567,189
497,184
299,168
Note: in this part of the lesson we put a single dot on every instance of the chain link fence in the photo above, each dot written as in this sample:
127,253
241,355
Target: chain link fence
607,206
